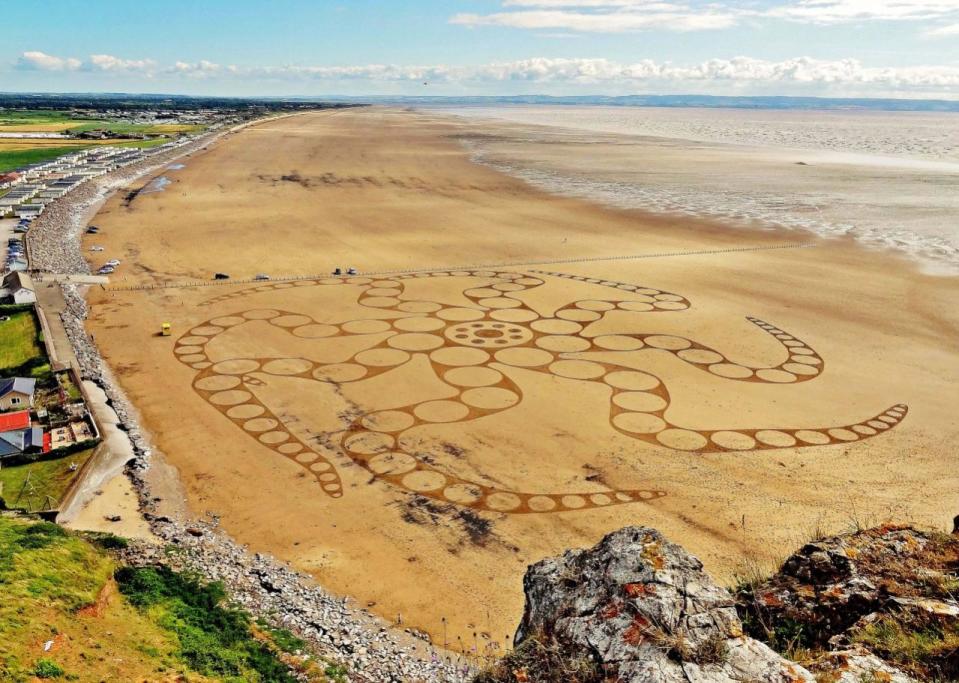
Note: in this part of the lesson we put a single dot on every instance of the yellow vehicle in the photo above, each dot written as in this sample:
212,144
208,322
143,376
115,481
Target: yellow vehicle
165,329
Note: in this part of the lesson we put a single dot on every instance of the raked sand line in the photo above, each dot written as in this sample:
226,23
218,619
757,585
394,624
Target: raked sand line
484,266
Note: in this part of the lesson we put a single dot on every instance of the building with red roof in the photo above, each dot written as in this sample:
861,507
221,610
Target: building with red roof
13,421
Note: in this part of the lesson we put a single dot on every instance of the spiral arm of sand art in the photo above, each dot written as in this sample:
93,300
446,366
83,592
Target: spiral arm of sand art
471,348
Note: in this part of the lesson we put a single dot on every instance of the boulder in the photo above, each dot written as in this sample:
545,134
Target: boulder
639,608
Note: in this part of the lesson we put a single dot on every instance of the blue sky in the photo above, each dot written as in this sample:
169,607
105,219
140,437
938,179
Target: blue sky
353,47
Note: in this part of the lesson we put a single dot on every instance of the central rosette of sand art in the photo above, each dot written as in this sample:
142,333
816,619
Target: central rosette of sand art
471,349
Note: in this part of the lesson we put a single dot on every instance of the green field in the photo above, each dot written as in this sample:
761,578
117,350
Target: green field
21,349
16,158
40,485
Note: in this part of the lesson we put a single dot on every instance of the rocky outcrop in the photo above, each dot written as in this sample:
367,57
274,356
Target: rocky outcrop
888,592
641,609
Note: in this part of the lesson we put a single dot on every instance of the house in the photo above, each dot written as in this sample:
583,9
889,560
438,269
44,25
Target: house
10,422
19,286
21,441
16,393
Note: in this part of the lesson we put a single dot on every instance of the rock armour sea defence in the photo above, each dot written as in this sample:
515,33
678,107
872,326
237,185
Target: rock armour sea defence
643,609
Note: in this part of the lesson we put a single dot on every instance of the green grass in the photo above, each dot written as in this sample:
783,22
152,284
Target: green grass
21,350
16,158
214,639
40,485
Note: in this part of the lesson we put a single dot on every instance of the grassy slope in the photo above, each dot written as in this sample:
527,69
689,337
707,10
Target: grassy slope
21,352
111,623
50,584
45,480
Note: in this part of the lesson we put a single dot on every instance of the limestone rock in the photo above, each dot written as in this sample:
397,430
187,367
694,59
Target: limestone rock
855,666
643,609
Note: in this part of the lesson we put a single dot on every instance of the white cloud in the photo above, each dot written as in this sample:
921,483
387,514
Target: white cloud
41,61
602,17
800,75
844,11
941,31
619,16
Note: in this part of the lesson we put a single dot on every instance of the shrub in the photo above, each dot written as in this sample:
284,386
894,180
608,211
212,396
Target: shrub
214,639
47,668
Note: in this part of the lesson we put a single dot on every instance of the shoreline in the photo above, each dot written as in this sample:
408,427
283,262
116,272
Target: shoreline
373,651
666,273
641,172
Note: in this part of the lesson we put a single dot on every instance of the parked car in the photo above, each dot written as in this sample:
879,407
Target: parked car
220,276
106,270
261,276
113,262
351,271
93,230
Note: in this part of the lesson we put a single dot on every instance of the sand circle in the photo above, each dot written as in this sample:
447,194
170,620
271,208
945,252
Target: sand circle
524,358
291,320
217,383
774,437
192,341
315,331
843,434
365,326
419,307
273,438
415,341
730,371
460,314
382,357
541,503
631,380
635,306
287,366
260,314
618,342
563,344
369,443
245,411
667,342
379,301
472,377
639,423
670,305
593,305
388,421
639,401
188,349
424,480
513,315
734,441
230,397
418,324
579,315
441,411
682,439
193,358
554,326
339,372
488,334
459,356
577,369
774,375
207,330
490,398
812,437
260,424
391,463
383,291
798,369
482,292
228,321
700,356
463,494
572,502
600,499
503,502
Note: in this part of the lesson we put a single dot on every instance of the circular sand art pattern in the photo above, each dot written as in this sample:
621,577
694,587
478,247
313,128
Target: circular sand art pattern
472,348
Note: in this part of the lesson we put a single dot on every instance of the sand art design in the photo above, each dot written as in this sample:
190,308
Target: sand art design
471,349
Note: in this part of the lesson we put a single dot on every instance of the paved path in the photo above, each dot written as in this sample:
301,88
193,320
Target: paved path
50,301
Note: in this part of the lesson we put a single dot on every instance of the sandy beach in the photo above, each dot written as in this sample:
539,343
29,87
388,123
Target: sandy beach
416,441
